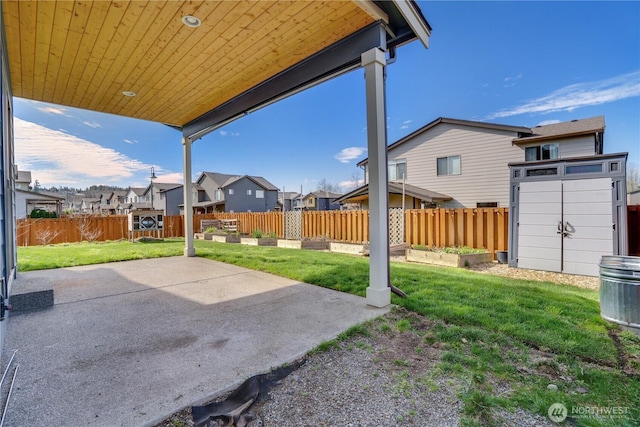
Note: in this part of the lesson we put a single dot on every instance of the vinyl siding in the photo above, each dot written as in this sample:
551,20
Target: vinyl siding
484,158
570,147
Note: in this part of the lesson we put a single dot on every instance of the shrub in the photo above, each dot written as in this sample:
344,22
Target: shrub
257,233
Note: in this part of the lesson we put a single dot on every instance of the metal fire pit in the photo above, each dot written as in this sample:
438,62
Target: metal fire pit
620,290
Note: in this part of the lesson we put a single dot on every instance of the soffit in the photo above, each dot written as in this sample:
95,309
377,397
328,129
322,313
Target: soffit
84,54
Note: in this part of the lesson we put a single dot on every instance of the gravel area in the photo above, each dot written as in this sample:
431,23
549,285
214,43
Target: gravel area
383,379
504,270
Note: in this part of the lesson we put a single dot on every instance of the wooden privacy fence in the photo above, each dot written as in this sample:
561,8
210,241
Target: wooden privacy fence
479,228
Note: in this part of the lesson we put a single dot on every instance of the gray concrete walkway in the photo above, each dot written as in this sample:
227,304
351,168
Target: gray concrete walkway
129,343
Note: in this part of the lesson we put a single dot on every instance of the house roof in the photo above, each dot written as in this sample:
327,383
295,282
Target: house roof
32,195
446,120
321,194
525,134
564,130
138,191
288,195
162,186
362,193
86,54
225,180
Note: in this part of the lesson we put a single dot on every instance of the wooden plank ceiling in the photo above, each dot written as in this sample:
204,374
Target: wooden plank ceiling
85,54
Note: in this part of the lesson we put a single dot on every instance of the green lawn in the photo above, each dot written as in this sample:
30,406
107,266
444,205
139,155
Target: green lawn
504,320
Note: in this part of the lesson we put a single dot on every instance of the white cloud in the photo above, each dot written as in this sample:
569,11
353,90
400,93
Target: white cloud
53,110
511,81
350,184
128,141
579,95
405,124
92,124
350,153
170,178
548,122
57,158
227,133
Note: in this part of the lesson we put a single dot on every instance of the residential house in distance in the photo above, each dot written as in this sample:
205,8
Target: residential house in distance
173,200
134,199
27,200
454,163
152,194
321,201
289,200
239,193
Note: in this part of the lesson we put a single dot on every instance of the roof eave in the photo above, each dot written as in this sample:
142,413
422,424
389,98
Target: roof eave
557,136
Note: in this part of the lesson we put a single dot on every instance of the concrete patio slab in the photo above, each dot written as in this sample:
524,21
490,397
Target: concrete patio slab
129,343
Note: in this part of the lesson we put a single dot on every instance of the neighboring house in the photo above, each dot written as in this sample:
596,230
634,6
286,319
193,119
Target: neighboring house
116,201
633,198
464,163
152,194
239,193
287,200
135,195
27,201
173,200
321,201
23,180
90,206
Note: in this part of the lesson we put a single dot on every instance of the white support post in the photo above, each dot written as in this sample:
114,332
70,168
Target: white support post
378,292
189,250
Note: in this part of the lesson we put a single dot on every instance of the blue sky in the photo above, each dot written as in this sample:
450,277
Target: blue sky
519,63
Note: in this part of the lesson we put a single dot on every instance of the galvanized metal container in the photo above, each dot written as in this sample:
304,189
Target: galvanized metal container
620,290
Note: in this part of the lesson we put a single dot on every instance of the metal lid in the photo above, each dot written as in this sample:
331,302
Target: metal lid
625,262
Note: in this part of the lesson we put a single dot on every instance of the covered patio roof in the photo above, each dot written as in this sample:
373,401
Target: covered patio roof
96,55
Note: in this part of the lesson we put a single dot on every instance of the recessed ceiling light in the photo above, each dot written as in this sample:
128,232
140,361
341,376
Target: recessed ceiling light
191,21
128,93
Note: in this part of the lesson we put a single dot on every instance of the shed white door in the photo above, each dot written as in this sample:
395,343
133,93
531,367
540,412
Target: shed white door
588,219
565,226
540,211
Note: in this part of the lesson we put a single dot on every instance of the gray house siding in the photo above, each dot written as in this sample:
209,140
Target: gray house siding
172,199
484,158
242,201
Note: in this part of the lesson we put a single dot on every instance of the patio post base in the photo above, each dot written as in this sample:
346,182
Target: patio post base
189,252
378,297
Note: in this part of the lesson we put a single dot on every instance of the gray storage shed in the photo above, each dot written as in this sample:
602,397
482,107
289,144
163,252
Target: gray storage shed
566,214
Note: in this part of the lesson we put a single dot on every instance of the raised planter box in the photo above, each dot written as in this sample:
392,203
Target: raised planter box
451,260
198,236
348,248
223,238
263,241
318,245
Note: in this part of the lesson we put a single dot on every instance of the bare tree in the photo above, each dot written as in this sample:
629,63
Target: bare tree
44,237
633,177
324,185
87,231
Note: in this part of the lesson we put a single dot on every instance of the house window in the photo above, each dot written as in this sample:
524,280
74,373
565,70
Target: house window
231,191
487,205
449,165
248,192
217,195
259,194
541,152
397,169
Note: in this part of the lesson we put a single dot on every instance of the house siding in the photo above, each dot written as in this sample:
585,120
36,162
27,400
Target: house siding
570,147
239,201
173,198
484,158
